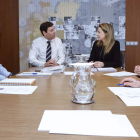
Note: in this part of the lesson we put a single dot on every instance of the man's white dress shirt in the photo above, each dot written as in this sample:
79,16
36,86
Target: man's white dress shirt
37,54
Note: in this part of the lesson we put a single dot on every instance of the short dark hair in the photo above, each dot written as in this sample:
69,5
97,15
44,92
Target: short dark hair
44,26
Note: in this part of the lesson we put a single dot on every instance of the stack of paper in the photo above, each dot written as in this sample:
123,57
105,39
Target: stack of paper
55,69
86,122
103,69
40,74
71,72
130,96
80,64
120,74
22,90
68,72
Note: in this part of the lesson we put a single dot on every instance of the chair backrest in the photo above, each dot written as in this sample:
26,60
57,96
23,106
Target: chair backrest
14,73
30,65
122,59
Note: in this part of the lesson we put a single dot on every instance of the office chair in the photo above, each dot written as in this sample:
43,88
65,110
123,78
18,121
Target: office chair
122,59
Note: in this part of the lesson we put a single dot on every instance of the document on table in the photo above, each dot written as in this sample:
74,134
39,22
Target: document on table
126,91
55,69
130,96
130,101
80,64
23,90
120,74
108,69
50,115
34,74
86,122
68,72
71,72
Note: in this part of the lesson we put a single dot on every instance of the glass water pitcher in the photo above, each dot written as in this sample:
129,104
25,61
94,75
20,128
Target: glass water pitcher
82,85
81,58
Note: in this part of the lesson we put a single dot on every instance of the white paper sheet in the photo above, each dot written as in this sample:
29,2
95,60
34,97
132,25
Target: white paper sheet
120,74
55,69
49,117
80,64
126,91
129,101
125,126
24,90
34,74
100,124
71,72
68,72
104,69
81,122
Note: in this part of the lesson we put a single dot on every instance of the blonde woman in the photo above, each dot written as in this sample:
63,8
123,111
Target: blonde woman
106,50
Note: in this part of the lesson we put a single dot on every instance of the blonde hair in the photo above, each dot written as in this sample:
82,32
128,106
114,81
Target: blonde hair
109,42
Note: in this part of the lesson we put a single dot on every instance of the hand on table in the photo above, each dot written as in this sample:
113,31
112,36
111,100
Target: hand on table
130,82
98,64
50,63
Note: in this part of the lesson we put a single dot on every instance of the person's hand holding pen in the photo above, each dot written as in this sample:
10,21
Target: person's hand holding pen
98,64
130,82
93,66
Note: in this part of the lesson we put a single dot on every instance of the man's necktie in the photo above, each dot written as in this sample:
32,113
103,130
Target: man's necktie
48,52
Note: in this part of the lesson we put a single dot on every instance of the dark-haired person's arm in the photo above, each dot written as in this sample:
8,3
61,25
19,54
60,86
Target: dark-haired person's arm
115,61
2,77
4,73
60,52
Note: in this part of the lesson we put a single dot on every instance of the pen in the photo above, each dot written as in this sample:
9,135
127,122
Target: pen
1,88
95,67
128,81
120,84
29,72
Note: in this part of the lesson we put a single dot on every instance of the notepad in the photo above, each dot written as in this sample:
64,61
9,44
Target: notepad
17,82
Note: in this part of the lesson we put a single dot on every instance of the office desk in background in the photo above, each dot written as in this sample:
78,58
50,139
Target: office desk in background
20,115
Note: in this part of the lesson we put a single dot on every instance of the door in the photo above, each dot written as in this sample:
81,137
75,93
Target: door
9,35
